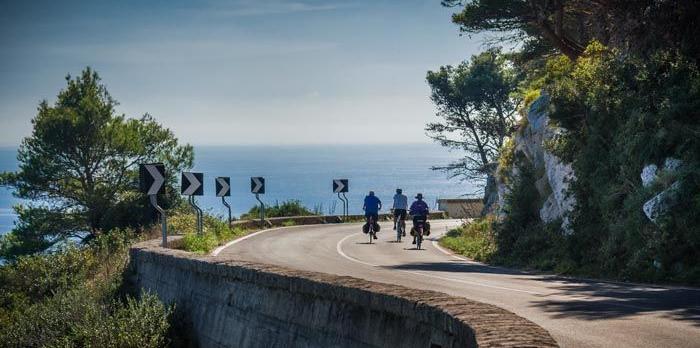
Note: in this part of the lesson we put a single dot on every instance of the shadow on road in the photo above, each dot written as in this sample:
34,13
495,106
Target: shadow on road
586,299
603,300
454,266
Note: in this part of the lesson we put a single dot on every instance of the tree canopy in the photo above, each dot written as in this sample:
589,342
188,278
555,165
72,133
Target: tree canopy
79,167
570,25
477,109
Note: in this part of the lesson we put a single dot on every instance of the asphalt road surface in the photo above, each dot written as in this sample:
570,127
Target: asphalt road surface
578,313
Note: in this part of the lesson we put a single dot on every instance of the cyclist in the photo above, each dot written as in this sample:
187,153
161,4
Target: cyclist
371,207
400,206
419,212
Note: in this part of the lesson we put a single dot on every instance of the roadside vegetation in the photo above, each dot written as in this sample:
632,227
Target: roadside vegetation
76,297
474,240
626,91
215,232
62,277
291,207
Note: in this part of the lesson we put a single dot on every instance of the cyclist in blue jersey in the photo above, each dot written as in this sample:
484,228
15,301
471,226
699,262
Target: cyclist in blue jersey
371,207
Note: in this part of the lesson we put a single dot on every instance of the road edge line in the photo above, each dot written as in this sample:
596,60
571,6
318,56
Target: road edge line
221,248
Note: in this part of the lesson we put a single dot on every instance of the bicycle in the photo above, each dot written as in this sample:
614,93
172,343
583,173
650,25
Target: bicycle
418,231
370,228
400,228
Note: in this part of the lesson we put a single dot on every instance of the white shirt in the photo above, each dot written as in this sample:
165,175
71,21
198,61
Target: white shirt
400,201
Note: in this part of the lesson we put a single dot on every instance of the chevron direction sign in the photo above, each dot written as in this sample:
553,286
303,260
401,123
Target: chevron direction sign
223,186
340,185
257,184
152,178
192,184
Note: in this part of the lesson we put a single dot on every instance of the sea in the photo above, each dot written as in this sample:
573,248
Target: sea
304,173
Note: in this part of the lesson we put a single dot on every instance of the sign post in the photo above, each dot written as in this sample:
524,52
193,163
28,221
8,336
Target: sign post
257,186
223,189
192,184
151,182
342,186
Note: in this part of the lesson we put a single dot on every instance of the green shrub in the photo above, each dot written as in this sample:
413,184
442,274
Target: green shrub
215,232
289,223
287,208
182,223
621,112
83,317
74,297
474,240
199,243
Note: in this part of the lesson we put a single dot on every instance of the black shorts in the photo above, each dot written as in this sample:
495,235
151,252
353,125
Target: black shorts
417,219
400,213
373,215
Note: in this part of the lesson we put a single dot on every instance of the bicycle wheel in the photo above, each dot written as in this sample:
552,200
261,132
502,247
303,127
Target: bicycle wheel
419,239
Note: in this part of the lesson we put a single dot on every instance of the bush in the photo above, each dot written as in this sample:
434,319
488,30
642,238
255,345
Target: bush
474,240
83,317
621,112
287,208
199,243
215,232
74,297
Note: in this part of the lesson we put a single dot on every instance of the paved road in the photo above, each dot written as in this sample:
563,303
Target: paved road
577,313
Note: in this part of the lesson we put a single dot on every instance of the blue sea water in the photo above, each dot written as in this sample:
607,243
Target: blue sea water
305,173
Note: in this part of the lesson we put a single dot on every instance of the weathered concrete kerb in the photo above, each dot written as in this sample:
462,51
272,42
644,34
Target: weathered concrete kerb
243,304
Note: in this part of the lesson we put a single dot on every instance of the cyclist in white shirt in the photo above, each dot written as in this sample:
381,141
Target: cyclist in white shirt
400,207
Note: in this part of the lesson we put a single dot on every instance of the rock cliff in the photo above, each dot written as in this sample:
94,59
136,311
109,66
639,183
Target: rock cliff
553,175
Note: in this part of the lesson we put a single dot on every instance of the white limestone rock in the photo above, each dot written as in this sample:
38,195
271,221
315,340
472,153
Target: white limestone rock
649,174
662,202
557,175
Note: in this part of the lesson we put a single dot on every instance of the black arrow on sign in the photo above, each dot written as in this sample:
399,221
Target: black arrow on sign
257,184
340,185
223,186
192,184
152,178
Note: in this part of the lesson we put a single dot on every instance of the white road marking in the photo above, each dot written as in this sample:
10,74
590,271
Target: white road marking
221,248
448,253
339,248
340,251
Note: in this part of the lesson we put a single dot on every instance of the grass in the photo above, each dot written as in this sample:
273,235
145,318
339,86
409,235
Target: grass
475,240
215,232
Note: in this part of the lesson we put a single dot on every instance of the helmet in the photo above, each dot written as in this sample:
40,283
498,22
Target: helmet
371,193
399,191
419,196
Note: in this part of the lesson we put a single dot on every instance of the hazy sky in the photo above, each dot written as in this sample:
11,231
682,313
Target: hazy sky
236,72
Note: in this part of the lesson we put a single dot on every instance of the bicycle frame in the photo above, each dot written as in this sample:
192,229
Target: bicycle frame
419,227
400,227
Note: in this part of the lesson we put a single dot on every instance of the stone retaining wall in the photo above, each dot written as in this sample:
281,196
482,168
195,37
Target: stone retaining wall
243,304
319,219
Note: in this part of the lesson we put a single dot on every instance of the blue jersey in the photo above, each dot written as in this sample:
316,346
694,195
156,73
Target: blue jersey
372,204
400,201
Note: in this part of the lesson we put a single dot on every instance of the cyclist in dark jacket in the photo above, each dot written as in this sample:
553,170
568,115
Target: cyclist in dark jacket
372,207
419,211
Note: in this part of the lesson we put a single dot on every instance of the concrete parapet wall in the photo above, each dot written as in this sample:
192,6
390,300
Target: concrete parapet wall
461,208
242,304
319,219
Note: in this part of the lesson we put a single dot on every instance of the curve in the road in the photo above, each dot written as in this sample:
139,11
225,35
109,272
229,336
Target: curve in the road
578,313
